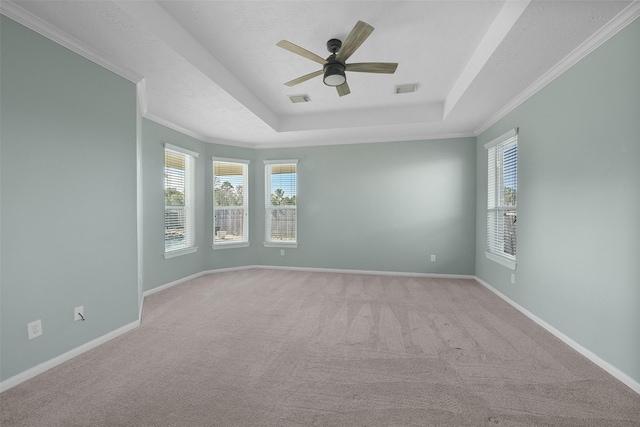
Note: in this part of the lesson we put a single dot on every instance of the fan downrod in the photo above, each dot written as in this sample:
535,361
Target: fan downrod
334,46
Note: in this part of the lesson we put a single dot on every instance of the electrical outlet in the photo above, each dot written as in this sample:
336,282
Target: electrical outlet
281,252
433,258
34,329
78,313
513,278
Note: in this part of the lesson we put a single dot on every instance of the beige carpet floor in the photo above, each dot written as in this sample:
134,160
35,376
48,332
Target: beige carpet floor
281,348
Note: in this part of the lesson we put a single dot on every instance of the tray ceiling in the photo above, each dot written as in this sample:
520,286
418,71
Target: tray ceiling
212,69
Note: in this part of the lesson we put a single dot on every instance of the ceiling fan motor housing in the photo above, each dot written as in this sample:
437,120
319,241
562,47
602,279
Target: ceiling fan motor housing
334,45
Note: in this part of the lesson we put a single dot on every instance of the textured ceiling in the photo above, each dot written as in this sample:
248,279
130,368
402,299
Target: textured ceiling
212,68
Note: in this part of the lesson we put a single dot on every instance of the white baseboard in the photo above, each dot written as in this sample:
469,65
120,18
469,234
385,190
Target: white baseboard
367,272
615,372
170,285
36,370
45,366
192,277
309,269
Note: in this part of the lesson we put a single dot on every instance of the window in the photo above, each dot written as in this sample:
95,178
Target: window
230,203
281,202
179,201
502,197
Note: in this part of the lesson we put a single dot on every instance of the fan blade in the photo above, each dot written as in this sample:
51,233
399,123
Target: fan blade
373,67
301,51
356,37
303,78
343,89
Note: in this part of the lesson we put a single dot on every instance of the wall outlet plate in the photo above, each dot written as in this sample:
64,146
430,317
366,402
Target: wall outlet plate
34,329
78,313
433,258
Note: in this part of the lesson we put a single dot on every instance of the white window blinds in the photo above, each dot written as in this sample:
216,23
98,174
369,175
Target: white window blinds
230,201
281,178
502,195
179,199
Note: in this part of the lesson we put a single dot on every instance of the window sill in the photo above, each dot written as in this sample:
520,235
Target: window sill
180,252
231,245
511,264
280,244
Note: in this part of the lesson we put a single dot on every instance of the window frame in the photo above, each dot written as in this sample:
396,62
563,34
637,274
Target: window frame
189,203
268,242
496,206
245,196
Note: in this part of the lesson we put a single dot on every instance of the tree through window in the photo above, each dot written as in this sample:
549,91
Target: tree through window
230,201
281,202
179,200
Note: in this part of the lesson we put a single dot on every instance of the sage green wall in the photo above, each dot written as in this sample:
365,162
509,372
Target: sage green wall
68,210
158,270
68,185
381,207
578,203
376,207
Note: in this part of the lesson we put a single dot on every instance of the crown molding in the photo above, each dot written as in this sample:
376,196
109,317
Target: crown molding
180,129
141,91
351,141
624,18
171,125
29,20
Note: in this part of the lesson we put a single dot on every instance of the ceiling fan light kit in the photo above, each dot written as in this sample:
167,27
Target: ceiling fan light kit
334,67
334,74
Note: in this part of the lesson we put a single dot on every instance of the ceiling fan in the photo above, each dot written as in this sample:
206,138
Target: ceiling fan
335,65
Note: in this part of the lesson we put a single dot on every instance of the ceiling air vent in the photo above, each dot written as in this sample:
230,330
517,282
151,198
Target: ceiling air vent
299,98
406,88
